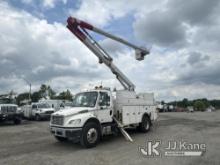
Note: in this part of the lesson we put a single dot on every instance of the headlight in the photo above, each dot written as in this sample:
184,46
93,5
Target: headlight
76,121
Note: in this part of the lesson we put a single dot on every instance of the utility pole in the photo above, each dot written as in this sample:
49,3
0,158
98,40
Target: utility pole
28,82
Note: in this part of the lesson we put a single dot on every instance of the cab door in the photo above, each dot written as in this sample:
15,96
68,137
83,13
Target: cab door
105,107
33,109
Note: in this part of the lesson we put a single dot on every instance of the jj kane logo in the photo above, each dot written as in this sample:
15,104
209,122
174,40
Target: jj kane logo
172,148
151,149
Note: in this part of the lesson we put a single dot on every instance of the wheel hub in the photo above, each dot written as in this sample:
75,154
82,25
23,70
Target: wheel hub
147,125
92,135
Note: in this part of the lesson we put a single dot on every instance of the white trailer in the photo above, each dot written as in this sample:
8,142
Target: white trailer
96,112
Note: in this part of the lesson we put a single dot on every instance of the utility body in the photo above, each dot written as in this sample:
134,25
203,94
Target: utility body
98,112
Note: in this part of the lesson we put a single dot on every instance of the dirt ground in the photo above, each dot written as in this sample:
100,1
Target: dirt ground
31,143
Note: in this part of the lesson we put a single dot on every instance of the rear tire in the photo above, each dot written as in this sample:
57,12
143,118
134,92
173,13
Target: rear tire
90,135
60,139
17,121
145,125
37,117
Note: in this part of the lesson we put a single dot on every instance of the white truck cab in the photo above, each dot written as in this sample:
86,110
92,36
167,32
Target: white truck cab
92,115
9,112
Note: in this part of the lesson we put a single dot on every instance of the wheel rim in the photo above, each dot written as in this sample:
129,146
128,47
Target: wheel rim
92,135
147,125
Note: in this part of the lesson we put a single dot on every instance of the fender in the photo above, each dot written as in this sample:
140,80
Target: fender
84,117
95,120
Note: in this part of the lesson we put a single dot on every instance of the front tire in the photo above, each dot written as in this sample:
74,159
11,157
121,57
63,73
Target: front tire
37,117
145,125
90,135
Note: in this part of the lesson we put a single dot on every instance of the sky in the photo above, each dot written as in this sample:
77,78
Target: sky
183,38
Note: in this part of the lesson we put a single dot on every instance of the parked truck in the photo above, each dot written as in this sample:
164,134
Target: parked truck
37,111
97,112
9,110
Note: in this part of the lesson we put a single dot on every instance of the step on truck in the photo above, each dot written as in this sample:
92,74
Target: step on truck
98,112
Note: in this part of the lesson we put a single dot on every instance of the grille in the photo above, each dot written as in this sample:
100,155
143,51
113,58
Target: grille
57,120
8,109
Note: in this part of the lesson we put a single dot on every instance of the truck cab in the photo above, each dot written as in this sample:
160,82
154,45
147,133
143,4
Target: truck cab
95,103
9,111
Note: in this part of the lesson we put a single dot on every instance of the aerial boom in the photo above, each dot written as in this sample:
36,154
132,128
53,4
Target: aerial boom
78,28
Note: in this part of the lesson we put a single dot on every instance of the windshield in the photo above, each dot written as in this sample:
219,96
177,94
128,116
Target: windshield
86,99
43,106
6,101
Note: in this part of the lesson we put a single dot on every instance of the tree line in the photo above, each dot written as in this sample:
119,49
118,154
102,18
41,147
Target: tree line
45,91
197,104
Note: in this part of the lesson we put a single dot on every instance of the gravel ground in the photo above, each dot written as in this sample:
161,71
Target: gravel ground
32,143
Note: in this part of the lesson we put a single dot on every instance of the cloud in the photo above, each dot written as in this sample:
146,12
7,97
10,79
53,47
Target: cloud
112,47
195,12
38,51
51,3
202,68
102,13
160,28
197,58
184,59
168,26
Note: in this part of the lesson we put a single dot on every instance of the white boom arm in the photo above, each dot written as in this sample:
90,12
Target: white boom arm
78,28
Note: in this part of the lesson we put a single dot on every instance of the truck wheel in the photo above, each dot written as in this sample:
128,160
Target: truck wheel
17,121
90,135
145,125
37,117
61,139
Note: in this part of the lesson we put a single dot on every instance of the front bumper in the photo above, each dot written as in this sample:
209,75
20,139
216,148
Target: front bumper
7,117
44,115
70,133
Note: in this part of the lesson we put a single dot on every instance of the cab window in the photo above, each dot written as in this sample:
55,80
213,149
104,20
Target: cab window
34,106
104,99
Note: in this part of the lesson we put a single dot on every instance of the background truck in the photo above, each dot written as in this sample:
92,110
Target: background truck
37,111
97,112
9,110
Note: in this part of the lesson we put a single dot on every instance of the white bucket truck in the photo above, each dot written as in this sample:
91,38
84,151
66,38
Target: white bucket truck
96,112
37,111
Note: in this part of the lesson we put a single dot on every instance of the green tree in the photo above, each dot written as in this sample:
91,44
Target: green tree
65,95
36,96
206,102
199,105
46,90
21,97
185,103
